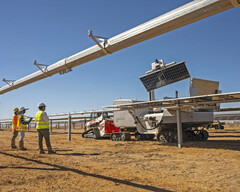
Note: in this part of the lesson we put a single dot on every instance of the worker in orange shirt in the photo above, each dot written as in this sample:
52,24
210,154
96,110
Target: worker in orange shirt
14,128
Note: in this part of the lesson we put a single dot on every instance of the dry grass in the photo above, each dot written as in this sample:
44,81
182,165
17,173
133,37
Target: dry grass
103,165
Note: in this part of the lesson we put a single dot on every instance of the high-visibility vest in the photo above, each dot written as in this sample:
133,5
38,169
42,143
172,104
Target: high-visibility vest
20,126
14,123
40,121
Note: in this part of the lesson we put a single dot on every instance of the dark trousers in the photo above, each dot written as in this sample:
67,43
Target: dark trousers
15,134
43,133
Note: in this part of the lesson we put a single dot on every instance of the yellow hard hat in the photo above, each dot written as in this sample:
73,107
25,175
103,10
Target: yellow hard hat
15,110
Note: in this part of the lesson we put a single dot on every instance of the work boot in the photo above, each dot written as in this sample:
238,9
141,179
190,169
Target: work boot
41,151
49,147
13,146
21,146
51,152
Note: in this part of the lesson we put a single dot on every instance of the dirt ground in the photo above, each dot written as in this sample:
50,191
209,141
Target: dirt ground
103,165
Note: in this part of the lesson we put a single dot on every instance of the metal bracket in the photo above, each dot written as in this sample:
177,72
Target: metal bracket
235,3
103,39
38,66
68,69
8,82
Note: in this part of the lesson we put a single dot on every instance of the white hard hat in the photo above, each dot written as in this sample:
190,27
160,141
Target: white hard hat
23,109
41,105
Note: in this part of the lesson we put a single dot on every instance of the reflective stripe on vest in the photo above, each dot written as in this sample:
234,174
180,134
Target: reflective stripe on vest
14,123
40,121
20,126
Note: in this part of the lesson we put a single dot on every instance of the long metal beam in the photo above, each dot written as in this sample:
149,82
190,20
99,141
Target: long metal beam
184,15
230,109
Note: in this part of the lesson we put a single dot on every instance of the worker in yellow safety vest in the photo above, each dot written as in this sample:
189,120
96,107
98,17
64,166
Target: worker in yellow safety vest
22,126
42,126
14,128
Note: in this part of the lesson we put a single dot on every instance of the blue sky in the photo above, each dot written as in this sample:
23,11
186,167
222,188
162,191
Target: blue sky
49,31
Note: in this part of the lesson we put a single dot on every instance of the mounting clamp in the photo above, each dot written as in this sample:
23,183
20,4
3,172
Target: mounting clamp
43,70
103,39
9,82
235,3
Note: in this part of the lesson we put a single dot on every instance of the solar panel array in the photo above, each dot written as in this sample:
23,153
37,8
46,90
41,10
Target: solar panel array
165,76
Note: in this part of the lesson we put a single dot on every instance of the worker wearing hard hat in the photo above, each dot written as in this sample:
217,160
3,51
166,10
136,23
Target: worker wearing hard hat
14,128
22,126
42,122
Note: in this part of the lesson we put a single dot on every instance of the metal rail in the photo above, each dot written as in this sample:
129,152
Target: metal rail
230,109
184,15
68,123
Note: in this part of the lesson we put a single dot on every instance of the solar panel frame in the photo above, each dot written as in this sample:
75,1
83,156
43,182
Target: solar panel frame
164,76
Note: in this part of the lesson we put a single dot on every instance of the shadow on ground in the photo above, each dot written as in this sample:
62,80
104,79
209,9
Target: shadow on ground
210,144
63,168
79,154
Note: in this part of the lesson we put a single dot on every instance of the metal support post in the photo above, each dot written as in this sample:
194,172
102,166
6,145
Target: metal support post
69,127
179,127
151,95
50,126
73,125
85,121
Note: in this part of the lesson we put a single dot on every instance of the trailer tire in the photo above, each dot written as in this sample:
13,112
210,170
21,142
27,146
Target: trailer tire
172,136
162,137
137,136
205,135
190,135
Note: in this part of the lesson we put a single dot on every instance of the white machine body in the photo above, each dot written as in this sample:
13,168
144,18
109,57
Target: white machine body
149,123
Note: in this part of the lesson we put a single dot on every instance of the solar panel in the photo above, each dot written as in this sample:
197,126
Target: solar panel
165,76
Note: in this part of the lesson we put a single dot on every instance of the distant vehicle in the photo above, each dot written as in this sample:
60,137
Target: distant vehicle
216,125
100,125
